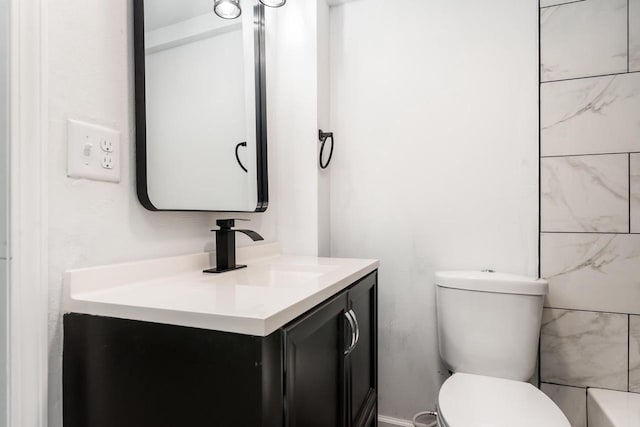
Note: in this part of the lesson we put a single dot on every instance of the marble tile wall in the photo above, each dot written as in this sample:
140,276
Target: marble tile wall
592,271
634,354
584,349
572,401
591,115
634,182
585,193
579,39
634,35
589,199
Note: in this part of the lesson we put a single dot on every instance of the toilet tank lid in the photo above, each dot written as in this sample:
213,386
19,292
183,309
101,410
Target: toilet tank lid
488,281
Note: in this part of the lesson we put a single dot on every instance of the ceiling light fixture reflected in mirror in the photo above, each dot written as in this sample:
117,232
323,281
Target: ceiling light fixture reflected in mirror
230,9
273,3
227,9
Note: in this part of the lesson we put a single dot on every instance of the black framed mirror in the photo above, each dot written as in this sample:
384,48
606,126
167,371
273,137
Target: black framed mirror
200,104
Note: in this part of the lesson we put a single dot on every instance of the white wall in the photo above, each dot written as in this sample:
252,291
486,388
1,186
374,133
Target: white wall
434,105
4,125
324,107
4,193
293,120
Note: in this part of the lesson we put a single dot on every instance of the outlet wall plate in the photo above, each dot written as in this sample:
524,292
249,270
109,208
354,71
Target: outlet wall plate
93,152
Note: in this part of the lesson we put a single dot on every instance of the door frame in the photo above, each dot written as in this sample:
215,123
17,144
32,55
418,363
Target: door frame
28,289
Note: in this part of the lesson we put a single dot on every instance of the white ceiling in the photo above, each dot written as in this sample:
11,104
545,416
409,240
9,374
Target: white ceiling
160,13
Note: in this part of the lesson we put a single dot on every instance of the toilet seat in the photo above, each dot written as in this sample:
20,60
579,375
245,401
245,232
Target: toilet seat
467,400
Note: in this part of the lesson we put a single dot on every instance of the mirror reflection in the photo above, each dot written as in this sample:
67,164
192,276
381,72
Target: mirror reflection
203,117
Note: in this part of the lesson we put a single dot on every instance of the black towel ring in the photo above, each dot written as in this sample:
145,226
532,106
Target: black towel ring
323,136
241,144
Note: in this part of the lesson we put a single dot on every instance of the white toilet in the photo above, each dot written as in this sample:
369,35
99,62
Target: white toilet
488,329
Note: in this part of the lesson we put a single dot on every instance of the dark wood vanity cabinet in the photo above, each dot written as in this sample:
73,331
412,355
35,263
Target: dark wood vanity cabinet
310,373
362,363
330,376
314,360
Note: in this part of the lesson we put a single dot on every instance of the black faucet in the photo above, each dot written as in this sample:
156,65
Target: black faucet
226,245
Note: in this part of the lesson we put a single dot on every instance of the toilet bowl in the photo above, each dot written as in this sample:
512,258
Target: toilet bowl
488,330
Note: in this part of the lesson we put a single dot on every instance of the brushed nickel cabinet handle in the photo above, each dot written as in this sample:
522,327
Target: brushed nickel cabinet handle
355,320
354,332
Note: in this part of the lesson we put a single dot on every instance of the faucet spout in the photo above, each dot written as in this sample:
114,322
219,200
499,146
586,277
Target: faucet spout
254,236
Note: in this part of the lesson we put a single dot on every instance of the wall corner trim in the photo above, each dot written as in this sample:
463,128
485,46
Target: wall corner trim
28,288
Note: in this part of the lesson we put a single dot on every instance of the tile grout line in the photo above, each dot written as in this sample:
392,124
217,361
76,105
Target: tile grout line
591,154
539,369
629,170
586,406
563,385
539,144
628,352
591,232
621,73
560,4
618,313
583,387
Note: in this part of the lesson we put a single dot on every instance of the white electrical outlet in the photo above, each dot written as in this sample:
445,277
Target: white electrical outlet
93,152
106,144
107,161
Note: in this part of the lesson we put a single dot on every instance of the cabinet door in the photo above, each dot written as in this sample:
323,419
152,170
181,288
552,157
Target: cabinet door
362,363
315,383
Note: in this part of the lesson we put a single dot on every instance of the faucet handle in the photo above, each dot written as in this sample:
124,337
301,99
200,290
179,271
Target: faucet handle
228,223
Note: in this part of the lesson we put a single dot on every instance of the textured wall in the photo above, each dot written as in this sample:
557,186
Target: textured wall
434,107
590,199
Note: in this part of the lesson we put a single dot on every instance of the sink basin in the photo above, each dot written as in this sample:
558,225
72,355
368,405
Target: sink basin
286,275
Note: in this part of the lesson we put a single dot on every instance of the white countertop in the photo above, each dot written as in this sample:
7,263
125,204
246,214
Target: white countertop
273,290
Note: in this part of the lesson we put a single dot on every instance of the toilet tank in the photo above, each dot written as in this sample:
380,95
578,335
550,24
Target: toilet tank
489,323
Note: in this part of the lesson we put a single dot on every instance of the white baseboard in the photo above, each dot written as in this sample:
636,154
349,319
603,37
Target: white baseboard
384,421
